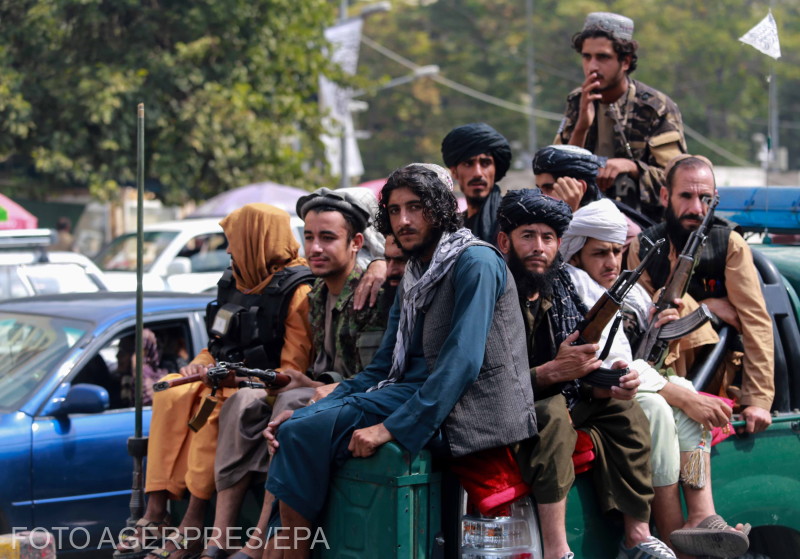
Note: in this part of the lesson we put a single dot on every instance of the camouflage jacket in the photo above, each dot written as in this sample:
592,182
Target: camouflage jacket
357,333
653,127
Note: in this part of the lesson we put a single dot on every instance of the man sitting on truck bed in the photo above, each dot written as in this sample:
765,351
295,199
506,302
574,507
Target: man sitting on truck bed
531,226
725,279
449,360
680,418
343,341
262,250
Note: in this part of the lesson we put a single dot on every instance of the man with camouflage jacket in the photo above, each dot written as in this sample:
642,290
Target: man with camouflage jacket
637,127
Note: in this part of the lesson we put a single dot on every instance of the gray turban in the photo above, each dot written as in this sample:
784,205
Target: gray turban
529,205
473,139
599,220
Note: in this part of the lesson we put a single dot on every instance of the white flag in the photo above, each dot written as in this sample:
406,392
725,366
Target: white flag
345,39
764,37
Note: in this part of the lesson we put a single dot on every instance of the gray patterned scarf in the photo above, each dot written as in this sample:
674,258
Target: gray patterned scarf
419,288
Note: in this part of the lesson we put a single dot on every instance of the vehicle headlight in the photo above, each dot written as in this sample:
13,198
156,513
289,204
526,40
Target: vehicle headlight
515,536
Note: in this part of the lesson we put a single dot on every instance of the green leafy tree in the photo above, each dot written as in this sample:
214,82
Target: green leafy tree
688,49
229,89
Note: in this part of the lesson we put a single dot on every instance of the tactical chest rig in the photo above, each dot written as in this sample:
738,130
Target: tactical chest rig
249,328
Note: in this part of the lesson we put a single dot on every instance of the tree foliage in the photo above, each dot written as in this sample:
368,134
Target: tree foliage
688,49
229,89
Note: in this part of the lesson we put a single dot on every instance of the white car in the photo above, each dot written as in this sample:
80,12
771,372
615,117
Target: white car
187,255
27,268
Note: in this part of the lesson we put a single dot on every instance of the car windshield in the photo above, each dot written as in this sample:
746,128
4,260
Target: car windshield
120,255
30,347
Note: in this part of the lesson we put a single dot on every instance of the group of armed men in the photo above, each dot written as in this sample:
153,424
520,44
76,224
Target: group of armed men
461,335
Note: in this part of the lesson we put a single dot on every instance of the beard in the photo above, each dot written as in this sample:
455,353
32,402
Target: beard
429,241
532,283
678,234
388,295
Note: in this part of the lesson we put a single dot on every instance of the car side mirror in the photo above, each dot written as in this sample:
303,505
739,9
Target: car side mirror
180,265
83,398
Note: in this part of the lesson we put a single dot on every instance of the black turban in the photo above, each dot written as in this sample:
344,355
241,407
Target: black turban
529,205
568,161
473,139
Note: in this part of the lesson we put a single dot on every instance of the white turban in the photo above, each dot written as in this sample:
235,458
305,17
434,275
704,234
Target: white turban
599,220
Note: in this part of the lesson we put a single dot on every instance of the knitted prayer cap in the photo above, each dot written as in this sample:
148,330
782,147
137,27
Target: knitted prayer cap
616,25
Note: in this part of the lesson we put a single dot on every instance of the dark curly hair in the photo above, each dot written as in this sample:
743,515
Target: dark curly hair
439,205
622,47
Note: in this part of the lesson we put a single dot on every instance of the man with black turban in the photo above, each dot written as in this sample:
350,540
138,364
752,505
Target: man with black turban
531,226
569,173
478,157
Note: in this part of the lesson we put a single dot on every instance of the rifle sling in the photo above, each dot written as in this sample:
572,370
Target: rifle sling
613,332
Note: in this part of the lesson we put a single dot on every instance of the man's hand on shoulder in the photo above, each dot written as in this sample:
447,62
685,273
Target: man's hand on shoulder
614,167
366,441
370,285
571,362
758,419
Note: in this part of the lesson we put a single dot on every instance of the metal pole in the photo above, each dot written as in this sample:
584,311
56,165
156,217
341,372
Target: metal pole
139,264
137,445
531,64
344,175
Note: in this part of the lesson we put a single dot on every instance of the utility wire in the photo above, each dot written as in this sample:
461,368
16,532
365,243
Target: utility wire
491,99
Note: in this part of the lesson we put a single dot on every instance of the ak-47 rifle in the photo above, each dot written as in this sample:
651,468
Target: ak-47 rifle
216,376
655,341
592,326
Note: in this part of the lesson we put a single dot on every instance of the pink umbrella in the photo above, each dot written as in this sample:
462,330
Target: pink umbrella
376,185
279,195
14,216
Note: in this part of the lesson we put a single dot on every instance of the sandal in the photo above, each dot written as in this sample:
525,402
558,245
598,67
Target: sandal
145,532
713,536
183,547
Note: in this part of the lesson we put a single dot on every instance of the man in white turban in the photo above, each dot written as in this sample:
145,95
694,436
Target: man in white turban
680,418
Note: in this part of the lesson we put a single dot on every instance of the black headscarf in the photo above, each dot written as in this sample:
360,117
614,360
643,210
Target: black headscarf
529,205
473,139
571,161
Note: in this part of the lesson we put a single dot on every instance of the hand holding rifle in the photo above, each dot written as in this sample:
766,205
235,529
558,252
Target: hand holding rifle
655,342
604,310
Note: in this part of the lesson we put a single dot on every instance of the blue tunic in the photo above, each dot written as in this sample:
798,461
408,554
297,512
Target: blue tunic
313,443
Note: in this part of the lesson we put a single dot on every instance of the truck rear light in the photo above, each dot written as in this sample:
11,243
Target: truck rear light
514,536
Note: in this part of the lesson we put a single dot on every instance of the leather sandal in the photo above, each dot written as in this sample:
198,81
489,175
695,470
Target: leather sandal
183,547
146,532
713,536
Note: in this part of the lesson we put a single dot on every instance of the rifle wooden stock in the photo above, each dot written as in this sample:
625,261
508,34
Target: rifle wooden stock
597,318
164,384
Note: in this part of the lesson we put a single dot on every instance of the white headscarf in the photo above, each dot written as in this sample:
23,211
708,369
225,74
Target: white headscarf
599,220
